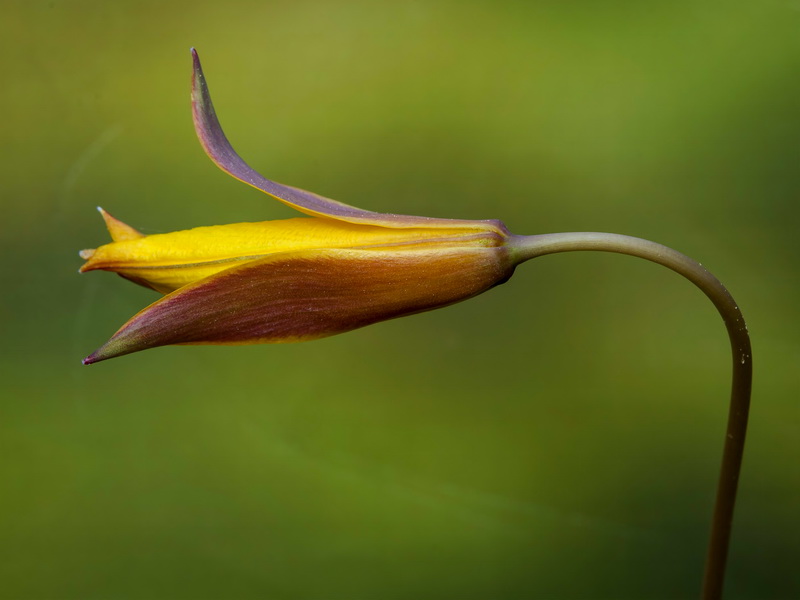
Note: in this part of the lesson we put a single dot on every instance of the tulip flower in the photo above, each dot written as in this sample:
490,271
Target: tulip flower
341,267
296,279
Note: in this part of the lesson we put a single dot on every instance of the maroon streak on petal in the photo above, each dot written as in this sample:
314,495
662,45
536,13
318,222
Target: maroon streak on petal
309,294
219,149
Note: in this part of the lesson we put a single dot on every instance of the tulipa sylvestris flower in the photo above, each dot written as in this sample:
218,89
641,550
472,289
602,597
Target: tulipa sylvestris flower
295,279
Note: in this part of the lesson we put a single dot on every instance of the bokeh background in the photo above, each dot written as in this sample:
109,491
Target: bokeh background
557,437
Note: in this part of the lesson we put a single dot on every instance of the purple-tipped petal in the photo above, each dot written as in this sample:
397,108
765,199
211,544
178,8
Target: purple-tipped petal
310,294
219,149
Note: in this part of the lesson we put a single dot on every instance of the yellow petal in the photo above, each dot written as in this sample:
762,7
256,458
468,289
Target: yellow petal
119,231
166,262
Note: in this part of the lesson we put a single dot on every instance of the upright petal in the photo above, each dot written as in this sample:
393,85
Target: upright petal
219,149
310,294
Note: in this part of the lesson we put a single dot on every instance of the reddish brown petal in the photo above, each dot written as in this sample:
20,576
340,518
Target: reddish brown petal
310,294
219,149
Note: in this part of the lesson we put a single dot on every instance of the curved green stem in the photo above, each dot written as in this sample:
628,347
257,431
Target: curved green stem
526,247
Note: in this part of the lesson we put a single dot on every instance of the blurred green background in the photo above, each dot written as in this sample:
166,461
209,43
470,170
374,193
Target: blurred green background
557,437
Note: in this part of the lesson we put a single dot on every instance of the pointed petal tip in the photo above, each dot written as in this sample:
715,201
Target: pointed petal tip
124,341
104,352
94,357
197,69
118,230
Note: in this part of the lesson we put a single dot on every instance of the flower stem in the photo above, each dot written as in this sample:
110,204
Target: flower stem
526,247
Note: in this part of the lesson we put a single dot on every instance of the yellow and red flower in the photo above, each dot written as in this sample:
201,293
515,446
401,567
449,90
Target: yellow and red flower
294,279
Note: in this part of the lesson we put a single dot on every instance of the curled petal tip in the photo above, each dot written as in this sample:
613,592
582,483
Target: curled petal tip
197,69
219,150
